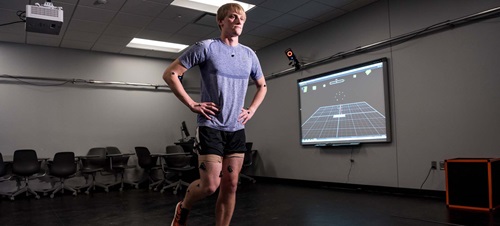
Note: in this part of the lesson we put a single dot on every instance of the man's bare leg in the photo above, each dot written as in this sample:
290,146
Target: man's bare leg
210,167
231,167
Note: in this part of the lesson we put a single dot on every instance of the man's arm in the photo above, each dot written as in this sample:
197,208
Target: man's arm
170,76
247,114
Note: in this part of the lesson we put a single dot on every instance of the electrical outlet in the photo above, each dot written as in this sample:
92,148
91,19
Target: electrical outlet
433,165
441,165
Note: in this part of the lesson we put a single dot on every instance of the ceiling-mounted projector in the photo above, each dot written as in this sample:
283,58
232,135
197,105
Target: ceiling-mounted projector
46,19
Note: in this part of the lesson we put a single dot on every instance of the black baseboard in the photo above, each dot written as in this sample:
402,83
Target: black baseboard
356,187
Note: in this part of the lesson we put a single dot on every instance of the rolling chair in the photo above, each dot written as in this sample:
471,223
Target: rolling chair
247,162
118,165
94,162
25,165
3,172
149,164
178,163
63,167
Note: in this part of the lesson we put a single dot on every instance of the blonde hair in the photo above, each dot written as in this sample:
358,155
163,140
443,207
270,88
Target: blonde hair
227,8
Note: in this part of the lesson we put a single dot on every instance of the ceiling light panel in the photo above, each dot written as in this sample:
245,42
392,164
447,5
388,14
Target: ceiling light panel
210,6
140,43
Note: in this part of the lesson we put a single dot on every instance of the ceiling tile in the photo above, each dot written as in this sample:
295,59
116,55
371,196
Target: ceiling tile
109,27
87,26
357,4
250,25
330,15
312,10
145,8
116,40
165,2
93,14
278,5
165,25
81,36
126,19
119,30
272,32
58,2
44,40
113,5
154,35
14,4
262,15
335,3
305,26
180,14
196,30
254,2
207,19
72,44
288,21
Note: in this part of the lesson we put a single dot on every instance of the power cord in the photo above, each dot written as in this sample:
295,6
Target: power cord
22,17
427,177
350,166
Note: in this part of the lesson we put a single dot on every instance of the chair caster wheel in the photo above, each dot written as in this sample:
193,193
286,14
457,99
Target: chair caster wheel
87,192
106,190
121,189
175,192
52,196
37,197
12,198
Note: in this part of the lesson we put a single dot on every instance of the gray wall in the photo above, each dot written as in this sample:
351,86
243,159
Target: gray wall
77,118
444,96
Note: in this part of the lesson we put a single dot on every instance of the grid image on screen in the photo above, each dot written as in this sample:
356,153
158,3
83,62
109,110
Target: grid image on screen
343,122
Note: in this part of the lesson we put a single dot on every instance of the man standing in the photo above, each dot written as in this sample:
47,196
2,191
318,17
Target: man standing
225,66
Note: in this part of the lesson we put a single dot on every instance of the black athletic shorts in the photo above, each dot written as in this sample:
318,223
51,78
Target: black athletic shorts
221,143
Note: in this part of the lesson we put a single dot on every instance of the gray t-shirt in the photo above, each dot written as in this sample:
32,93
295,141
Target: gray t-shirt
225,71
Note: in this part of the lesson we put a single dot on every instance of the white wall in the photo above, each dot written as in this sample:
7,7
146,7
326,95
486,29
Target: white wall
444,95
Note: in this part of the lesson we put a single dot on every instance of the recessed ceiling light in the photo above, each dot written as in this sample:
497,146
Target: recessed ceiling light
140,43
210,6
